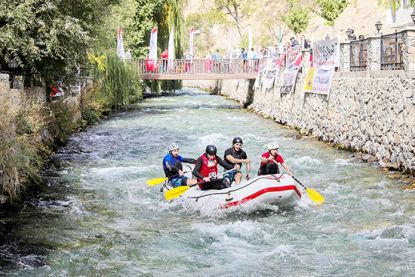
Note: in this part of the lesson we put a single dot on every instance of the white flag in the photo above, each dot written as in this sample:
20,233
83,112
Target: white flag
152,55
192,30
250,38
120,45
171,49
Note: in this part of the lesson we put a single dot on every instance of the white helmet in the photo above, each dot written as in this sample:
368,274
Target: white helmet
174,146
272,145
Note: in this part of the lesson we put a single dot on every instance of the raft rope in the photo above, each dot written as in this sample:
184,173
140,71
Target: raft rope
236,189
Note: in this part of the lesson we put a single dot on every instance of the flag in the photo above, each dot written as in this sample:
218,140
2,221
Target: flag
171,49
152,55
250,38
191,35
120,46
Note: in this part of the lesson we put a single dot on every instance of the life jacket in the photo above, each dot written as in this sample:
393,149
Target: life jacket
209,168
174,162
270,167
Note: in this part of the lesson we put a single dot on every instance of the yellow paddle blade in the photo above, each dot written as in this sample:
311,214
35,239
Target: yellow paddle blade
156,181
176,192
315,196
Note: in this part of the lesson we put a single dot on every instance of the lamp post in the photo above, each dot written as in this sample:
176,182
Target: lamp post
413,16
349,33
378,26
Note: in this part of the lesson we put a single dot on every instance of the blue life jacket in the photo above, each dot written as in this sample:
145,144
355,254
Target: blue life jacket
172,165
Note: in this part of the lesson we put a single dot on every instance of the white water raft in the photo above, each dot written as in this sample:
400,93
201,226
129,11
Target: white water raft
277,189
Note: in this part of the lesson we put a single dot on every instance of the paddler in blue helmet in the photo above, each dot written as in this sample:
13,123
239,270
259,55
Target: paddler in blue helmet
173,168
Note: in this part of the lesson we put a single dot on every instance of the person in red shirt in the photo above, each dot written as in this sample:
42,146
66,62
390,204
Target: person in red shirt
206,170
270,160
164,57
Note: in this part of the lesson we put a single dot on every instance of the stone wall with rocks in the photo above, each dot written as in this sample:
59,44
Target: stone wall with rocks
13,92
373,114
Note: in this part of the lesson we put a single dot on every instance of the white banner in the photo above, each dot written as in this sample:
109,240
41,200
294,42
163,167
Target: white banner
325,53
171,49
325,58
289,80
120,44
153,45
191,35
249,38
322,80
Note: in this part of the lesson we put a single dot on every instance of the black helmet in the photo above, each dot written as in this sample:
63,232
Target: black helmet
211,149
237,140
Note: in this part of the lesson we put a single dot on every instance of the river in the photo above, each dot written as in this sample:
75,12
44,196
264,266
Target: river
97,217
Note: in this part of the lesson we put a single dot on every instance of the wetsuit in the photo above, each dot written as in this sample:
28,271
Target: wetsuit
171,167
270,167
240,155
209,168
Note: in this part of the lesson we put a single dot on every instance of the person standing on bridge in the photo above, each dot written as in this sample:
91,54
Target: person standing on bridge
164,57
270,160
235,155
244,58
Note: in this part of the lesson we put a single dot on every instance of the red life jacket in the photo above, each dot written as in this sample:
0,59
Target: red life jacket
209,168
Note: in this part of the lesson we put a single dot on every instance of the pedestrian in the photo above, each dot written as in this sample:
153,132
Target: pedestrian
164,57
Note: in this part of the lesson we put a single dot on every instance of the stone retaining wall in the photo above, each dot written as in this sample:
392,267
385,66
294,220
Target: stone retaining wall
372,114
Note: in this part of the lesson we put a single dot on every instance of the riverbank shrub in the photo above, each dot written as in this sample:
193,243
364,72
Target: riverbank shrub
22,146
117,85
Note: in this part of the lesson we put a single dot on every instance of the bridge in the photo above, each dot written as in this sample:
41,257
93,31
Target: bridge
198,69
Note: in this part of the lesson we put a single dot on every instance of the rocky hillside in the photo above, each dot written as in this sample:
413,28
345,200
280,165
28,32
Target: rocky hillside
266,22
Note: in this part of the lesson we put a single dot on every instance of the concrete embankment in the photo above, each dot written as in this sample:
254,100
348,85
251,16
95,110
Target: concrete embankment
373,115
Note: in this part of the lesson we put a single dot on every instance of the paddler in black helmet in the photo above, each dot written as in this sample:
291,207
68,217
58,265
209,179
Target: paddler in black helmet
235,155
206,170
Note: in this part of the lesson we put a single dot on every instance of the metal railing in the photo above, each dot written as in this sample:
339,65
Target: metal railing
199,66
391,51
358,55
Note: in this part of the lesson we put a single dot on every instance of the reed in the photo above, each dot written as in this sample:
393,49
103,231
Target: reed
119,83
22,146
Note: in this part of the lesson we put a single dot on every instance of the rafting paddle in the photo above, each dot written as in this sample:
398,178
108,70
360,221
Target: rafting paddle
176,192
312,194
156,181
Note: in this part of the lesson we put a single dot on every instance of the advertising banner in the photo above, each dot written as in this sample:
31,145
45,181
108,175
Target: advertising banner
293,63
325,57
289,79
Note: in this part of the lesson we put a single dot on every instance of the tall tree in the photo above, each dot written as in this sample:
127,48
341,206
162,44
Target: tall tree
238,10
330,9
297,17
48,39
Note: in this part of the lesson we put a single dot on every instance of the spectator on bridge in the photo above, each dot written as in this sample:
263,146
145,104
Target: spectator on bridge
244,58
187,61
164,57
208,62
294,42
253,59
216,58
